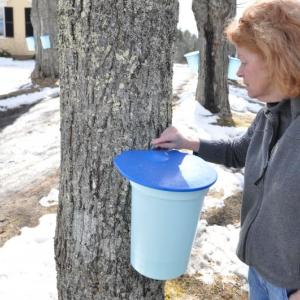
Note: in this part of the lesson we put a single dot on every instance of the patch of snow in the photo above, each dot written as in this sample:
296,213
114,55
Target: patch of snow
27,99
214,253
30,147
51,199
14,74
27,263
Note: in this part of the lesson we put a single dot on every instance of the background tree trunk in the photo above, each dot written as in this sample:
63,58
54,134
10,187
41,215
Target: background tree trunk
211,18
116,87
44,22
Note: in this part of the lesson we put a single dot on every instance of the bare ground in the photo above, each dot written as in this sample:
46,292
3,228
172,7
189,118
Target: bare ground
23,209
8,117
191,288
227,214
20,207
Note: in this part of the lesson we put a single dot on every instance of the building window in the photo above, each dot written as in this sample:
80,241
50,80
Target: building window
9,21
2,22
28,25
6,22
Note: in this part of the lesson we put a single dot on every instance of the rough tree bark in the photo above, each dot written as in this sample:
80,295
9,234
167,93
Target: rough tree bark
211,17
44,22
116,87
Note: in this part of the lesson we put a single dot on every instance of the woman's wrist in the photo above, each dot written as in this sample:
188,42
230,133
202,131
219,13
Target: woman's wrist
192,145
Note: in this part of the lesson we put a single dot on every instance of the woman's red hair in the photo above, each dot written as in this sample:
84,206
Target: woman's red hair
271,28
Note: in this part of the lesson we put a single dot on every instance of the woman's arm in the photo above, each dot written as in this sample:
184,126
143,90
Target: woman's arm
231,153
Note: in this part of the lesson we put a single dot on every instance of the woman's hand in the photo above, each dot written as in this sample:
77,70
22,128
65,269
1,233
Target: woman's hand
295,296
171,138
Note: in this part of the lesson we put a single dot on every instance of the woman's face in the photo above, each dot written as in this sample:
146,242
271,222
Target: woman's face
254,71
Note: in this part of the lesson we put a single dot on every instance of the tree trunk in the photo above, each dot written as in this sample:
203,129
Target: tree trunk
44,22
116,88
211,18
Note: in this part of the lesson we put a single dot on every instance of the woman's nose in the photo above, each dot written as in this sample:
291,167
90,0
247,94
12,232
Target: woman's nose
239,72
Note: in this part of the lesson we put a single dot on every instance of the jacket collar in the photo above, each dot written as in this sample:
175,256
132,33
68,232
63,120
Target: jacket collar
272,110
292,104
295,107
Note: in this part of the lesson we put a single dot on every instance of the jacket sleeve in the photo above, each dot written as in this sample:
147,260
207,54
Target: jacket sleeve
231,153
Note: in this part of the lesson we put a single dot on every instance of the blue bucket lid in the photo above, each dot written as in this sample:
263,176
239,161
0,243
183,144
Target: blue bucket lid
166,170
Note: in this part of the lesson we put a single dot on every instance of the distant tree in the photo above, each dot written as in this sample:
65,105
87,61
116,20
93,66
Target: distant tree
116,65
211,18
185,42
44,22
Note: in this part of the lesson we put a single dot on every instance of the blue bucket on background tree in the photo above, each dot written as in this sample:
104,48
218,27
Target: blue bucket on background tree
30,41
45,40
168,189
234,64
193,59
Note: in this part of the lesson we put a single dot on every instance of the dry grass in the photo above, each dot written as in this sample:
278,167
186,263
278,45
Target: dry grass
227,214
242,119
191,288
237,120
216,193
222,121
46,82
23,209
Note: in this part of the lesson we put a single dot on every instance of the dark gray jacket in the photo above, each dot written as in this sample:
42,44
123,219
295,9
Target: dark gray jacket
270,216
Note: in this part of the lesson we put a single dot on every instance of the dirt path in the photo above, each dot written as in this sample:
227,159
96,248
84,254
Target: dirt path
9,117
23,209
29,164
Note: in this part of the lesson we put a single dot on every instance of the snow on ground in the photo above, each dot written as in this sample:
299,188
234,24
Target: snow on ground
27,99
27,265
14,74
214,253
241,102
31,145
51,199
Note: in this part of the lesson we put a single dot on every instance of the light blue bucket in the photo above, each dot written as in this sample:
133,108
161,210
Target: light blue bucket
168,189
193,60
193,63
234,64
45,40
163,228
30,41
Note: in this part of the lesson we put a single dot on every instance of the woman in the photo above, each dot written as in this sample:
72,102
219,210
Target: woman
267,40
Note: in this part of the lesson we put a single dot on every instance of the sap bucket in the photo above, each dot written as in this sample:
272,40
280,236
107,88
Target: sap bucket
168,189
45,40
30,41
234,64
193,60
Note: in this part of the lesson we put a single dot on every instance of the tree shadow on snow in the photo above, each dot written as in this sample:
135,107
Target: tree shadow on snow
8,117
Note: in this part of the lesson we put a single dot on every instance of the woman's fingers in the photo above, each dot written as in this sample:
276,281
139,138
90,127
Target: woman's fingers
168,135
165,145
157,141
161,140
171,138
